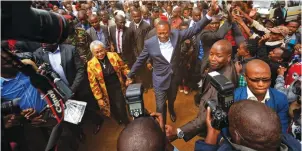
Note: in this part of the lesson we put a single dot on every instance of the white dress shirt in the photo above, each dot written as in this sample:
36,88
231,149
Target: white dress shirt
166,49
119,49
251,96
192,23
55,62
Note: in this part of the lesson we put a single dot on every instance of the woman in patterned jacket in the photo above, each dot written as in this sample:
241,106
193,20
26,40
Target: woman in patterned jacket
106,74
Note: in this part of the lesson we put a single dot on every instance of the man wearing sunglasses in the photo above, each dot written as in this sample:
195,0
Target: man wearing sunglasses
258,78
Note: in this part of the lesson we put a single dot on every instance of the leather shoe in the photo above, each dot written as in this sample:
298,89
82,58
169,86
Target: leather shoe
98,127
173,117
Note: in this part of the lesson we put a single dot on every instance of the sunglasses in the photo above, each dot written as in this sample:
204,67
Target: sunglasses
256,80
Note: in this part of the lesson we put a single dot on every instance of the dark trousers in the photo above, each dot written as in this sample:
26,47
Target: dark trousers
117,103
163,95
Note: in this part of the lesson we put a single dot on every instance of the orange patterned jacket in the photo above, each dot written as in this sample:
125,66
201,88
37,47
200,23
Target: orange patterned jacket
97,82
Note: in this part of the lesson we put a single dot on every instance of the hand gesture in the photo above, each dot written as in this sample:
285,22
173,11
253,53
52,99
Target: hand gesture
264,38
84,58
211,130
37,120
111,48
128,82
149,66
171,132
281,70
159,118
29,113
214,10
238,67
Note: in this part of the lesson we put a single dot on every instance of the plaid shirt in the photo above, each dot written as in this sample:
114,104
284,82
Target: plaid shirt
241,82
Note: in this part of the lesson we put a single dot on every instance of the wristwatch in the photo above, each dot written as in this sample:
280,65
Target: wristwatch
180,133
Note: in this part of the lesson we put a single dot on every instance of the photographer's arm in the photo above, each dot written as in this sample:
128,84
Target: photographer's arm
30,62
212,133
198,125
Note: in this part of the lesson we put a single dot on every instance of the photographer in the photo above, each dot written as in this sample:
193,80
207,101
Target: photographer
15,84
220,61
262,131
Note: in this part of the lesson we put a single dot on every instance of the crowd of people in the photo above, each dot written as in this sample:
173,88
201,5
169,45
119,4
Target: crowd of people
170,47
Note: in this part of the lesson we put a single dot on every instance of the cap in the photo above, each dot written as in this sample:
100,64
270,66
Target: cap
155,9
280,30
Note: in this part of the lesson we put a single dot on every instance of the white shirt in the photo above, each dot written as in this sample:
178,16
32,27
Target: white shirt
192,23
251,96
166,49
55,62
137,25
119,49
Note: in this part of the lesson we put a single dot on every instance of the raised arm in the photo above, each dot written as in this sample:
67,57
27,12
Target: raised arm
190,32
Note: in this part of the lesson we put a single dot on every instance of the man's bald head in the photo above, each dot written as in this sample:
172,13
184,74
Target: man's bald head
142,134
254,125
258,78
257,65
223,45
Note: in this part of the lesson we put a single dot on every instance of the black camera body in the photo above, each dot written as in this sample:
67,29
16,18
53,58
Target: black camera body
135,100
62,87
220,108
10,106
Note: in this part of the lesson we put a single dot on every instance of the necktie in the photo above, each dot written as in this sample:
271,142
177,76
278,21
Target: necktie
118,41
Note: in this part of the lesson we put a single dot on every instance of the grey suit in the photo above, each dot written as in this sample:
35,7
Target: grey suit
165,73
93,35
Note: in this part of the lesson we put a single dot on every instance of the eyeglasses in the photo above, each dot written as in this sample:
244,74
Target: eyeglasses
256,80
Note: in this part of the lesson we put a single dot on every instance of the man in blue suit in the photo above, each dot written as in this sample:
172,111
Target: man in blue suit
164,50
258,78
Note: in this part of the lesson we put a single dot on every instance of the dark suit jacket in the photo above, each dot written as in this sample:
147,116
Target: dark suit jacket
71,62
208,92
92,33
151,33
128,42
140,34
162,69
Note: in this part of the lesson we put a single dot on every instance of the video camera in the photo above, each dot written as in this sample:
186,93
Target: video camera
135,100
220,108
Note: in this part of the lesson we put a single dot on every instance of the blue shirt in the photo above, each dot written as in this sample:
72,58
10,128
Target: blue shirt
20,87
166,50
101,36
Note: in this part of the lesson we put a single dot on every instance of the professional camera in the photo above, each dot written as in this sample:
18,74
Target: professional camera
64,90
22,22
135,101
10,106
220,108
